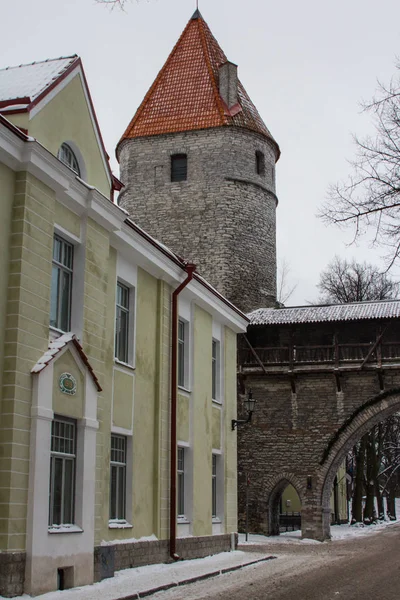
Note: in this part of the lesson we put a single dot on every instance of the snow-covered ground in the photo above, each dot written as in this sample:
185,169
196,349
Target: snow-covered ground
140,579
338,532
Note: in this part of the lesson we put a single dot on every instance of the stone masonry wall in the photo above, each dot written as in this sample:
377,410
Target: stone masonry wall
111,558
290,434
222,218
12,573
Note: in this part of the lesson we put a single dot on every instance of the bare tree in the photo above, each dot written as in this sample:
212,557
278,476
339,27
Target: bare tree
350,281
370,199
285,288
115,3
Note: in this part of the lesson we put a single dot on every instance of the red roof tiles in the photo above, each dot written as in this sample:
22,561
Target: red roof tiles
185,95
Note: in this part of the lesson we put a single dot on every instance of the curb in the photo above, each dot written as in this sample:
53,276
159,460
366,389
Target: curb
168,586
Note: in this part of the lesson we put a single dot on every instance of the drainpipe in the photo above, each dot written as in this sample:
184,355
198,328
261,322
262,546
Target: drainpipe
190,268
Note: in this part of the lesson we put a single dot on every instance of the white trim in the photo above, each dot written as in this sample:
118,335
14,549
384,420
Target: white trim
41,543
64,233
121,431
127,276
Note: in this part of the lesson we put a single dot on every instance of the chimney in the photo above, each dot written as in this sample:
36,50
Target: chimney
228,84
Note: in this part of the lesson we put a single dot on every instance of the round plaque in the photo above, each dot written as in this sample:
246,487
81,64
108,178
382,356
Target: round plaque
67,383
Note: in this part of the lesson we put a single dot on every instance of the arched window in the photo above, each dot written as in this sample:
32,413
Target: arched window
260,163
178,167
67,156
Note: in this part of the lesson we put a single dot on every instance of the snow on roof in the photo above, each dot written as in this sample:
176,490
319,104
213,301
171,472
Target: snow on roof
383,309
55,346
29,81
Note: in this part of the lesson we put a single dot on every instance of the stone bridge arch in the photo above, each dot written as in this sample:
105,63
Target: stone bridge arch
322,376
360,422
273,492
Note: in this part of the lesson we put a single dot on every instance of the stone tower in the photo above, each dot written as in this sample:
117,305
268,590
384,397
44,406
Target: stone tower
198,165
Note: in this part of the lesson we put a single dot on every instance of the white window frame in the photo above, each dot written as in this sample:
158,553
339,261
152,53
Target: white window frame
119,463
214,486
124,309
217,336
216,370
183,354
124,523
181,482
65,457
127,277
217,488
62,267
71,156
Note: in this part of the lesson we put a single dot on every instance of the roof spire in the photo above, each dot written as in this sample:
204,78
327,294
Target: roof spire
186,94
197,14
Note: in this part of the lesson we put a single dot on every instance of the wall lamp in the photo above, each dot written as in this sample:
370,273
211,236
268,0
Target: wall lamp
249,405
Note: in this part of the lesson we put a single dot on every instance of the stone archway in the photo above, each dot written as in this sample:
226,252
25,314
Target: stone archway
360,422
275,488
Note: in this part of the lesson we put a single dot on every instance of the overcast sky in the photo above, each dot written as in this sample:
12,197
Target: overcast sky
306,66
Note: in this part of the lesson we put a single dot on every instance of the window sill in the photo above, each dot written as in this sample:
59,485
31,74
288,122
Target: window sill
64,529
216,520
55,333
184,389
182,521
217,401
119,524
120,363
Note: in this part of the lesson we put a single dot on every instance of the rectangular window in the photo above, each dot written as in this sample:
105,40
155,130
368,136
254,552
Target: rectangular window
122,323
62,472
61,284
260,163
214,486
181,483
181,353
215,370
178,167
118,477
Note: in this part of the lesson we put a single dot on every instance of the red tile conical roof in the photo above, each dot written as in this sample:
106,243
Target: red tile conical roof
185,94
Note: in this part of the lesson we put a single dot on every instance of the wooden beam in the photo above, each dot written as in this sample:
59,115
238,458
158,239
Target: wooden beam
254,353
373,347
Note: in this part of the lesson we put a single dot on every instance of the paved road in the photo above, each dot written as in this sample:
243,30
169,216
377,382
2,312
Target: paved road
366,568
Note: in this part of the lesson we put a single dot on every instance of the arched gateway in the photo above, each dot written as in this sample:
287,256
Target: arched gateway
322,377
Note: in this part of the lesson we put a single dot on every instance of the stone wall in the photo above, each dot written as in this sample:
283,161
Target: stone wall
12,573
111,558
302,428
222,217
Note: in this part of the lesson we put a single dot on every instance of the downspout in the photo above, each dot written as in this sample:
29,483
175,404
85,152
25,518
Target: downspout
190,269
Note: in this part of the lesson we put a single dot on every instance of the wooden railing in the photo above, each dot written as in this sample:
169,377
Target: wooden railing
338,354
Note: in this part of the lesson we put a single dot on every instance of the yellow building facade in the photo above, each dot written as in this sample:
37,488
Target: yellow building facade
86,363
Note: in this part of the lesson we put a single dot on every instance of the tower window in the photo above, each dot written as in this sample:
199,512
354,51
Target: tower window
260,163
67,156
178,167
